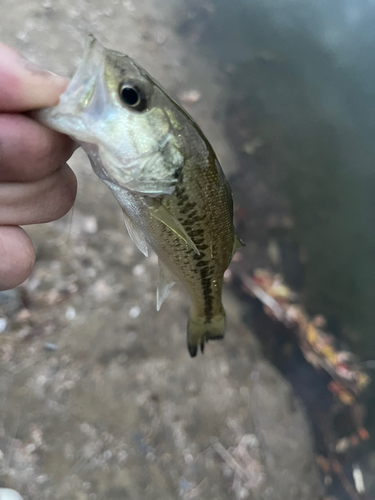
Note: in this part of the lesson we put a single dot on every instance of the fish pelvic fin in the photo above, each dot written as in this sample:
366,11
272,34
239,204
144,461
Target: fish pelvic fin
201,329
136,236
165,283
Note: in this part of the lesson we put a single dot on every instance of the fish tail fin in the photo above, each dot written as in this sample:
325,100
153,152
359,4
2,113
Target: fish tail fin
201,329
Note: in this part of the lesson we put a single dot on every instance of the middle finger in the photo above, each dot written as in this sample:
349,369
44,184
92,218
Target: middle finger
40,201
28,150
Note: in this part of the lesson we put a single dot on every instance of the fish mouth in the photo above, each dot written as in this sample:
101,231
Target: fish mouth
68,116
81,87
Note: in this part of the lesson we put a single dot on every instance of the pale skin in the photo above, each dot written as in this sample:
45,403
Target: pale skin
36,185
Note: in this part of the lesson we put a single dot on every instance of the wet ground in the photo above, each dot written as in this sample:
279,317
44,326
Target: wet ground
98,396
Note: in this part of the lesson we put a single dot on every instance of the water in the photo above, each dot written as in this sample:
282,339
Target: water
300,107
301,76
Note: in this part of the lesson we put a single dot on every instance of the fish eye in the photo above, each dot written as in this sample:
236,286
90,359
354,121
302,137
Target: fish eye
133,96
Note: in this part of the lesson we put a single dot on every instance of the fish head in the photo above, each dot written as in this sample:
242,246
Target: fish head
122,118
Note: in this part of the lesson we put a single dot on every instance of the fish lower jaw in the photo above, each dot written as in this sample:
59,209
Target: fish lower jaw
69,124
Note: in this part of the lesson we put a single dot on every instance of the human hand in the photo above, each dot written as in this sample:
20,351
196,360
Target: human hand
36,185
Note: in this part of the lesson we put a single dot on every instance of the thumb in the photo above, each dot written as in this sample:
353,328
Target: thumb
24,86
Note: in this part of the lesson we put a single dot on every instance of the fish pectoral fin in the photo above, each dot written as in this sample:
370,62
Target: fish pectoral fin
136,236
165,283
237,244
163,215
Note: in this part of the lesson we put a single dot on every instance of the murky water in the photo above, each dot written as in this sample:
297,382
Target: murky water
300,114
302,80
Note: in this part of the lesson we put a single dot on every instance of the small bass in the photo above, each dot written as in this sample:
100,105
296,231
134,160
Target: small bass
163,173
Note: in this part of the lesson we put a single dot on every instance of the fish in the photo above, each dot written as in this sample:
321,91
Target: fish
162,171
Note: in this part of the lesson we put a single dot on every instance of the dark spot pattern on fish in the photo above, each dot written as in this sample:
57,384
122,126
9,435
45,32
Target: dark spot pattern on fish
194,215
206,272
203,247
202,263
208,297
182,200
189,206
196,232
200,256
198,241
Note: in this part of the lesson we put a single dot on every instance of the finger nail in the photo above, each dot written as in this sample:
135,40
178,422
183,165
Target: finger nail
36,70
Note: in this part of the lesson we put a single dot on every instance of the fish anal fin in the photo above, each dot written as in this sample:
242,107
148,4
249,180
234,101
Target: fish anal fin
165,283
136,236
163,215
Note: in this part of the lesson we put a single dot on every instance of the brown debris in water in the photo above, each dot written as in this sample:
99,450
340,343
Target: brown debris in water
317,345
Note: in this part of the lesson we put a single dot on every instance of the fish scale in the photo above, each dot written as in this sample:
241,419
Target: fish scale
211,232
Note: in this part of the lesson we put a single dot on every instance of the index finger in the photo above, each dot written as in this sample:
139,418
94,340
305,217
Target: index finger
24,86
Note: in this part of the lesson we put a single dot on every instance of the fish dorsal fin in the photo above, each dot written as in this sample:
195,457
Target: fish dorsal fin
163,215
165,283
237,243
136,236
